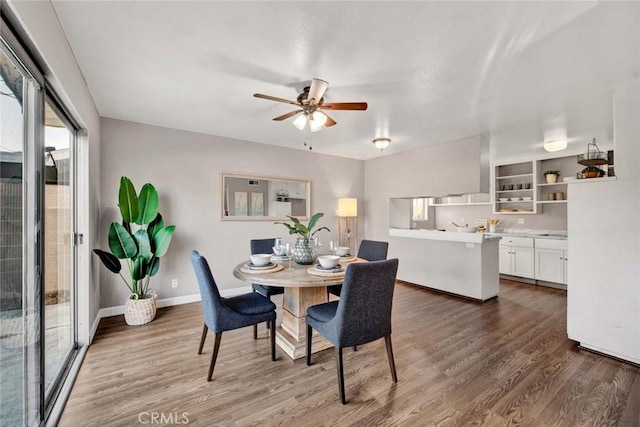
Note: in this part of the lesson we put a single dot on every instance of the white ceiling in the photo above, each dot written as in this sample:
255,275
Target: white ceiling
431,72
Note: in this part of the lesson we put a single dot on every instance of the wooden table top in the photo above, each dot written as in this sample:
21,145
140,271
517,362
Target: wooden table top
298,277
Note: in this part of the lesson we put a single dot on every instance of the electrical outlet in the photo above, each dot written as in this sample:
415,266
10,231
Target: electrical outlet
520,221
174,283
481,220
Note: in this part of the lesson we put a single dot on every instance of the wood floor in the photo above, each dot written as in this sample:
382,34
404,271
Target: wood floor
505,362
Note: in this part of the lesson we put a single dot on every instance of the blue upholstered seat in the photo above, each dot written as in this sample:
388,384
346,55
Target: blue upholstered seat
370,250
263,246
362,315
225,314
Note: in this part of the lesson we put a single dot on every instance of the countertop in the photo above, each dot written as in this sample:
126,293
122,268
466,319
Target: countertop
538,235
448,236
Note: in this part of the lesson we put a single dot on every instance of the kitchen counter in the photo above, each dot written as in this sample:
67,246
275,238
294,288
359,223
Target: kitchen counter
464,264
534,234
448,236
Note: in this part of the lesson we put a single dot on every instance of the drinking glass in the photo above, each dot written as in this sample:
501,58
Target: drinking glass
333,247
289,251
278,246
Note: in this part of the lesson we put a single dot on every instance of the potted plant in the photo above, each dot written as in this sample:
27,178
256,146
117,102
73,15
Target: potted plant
551,176
302,251
141,238
591,172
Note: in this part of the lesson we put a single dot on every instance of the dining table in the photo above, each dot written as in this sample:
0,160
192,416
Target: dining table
304,286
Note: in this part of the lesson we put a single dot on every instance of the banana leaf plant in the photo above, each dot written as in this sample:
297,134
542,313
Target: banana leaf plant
141,239
304,231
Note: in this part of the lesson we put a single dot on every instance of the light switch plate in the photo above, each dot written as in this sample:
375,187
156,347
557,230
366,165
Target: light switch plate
471,245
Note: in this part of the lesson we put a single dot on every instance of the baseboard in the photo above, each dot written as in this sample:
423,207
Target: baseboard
94,327
166,302
610,354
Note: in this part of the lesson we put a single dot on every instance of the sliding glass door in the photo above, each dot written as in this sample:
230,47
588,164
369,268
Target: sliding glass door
59,284
37,248
17,319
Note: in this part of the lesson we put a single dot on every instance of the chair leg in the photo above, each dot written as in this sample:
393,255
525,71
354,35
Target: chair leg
272,337
392,364
204,337
340,375
255,331
355,348
214,356
309,337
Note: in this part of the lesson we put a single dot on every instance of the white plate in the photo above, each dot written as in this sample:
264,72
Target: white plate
515,199
324,270
527,199
504,199
250,266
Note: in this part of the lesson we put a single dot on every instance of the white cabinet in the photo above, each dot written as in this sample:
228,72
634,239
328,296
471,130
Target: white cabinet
516,256
279,208
551,260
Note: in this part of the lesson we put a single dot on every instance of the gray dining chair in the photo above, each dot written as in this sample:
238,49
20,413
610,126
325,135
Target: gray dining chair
264,246
225,314
362,315
371,250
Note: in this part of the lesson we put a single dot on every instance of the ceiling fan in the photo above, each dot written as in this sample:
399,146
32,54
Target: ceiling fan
311,104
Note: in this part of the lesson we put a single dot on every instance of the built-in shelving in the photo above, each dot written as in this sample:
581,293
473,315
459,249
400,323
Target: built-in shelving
506,179
550,202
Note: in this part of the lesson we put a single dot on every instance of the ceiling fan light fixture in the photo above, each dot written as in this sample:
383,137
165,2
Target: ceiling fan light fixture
319,117
315,125
300,122
381,143
557,145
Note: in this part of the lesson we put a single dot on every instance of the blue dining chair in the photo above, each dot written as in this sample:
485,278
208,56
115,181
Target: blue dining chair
225,314
263,246
370,250
362,315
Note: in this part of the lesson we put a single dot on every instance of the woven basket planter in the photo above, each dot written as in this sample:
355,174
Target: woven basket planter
141,311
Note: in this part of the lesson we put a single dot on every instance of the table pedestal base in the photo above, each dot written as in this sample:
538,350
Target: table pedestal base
296,348
291,336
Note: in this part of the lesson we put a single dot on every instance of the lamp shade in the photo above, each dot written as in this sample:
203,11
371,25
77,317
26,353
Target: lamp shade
300,121
348,207
558,145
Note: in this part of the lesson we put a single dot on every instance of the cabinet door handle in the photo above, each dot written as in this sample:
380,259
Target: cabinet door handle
561,258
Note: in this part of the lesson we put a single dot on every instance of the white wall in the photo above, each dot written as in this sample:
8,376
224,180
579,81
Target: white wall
454,167
604,244
41,24
185,167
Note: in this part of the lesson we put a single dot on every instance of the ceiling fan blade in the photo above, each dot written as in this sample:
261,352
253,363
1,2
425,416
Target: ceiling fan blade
345,106
286,116
330,122
273,98
317,89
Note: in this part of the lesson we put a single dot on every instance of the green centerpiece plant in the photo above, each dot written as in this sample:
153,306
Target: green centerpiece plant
140,239
302,251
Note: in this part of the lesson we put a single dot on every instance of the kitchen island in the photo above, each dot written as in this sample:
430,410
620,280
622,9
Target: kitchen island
464,264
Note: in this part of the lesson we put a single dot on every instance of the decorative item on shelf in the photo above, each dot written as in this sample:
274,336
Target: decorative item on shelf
551,176
347,209
560,196
551,196
492,224
303,253
592,172
142,248
593,156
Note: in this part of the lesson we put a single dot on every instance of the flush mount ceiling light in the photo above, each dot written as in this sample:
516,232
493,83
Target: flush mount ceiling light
381,143
558,145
